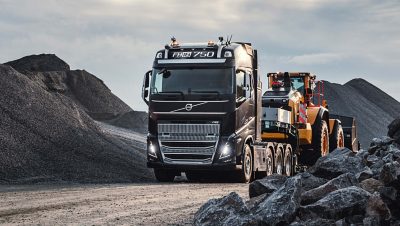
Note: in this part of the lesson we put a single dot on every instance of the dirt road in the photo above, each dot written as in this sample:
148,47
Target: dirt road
132,204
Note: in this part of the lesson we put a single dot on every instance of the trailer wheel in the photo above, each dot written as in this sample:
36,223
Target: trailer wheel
163,175
247,166
337,138
321,140
279,165
270,161
288,160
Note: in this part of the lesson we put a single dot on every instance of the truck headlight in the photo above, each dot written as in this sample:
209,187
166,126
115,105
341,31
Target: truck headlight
152,150
225,151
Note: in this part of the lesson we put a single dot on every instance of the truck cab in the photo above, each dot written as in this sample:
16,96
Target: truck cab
202,100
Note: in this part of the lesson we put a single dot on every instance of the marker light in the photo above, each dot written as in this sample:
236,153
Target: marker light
228,54
210,43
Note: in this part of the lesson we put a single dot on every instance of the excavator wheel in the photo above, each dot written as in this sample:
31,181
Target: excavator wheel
288,161
336,139
279,160
320,140
245,173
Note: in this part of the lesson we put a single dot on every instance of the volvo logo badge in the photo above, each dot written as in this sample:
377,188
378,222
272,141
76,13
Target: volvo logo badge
188,107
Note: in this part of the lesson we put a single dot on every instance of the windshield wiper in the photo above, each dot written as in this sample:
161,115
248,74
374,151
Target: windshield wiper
206,92
171,92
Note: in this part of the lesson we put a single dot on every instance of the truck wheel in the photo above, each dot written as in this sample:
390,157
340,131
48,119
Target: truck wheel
163,175
320,140
247,165
279,166
288,160
270,161
336,140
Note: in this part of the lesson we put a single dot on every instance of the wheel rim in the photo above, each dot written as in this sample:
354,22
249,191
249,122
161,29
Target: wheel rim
341,141
279,167
247,166
325,144
270,167
288,164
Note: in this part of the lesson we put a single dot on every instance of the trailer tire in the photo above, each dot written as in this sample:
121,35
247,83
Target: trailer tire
320,140
245,174
288,161
270,161
279,161
336,139
163,175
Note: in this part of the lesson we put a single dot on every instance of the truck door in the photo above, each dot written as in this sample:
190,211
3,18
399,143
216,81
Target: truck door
244,100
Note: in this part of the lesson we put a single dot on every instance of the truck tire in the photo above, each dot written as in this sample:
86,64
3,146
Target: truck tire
163,175
270,161
320,140
247,165
336,139
279,165
288,161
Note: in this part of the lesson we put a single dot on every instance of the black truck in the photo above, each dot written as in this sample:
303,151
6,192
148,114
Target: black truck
202,100
207,115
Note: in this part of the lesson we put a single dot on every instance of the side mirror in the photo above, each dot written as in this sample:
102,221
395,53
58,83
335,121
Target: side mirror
146,87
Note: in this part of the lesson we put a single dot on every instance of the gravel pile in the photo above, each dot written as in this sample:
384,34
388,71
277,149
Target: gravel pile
85,89
372,108
343,188
47,132
134,120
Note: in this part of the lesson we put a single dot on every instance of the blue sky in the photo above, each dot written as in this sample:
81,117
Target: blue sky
117,39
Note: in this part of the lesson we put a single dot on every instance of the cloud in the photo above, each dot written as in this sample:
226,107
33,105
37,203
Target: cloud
314,59
117,39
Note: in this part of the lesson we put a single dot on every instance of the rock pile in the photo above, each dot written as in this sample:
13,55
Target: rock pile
342,188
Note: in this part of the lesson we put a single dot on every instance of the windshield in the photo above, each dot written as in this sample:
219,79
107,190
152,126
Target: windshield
298,84
192,81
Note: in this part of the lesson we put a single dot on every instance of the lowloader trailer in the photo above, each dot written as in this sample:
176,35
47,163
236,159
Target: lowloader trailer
207,114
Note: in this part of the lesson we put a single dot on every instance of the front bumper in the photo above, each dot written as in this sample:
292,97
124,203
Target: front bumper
186,167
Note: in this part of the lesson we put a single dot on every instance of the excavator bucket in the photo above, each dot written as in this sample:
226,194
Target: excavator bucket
349,131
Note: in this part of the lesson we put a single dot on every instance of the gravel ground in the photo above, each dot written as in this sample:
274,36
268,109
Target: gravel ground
129,204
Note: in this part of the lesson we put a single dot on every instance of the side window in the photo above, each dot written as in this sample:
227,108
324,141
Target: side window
249,87
240,85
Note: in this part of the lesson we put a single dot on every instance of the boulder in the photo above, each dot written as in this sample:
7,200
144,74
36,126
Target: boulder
336,163
281,207
365,174
266,185
229,210
377,168
342,181
336,205
309,181
390,174
371,185
372,159
376,208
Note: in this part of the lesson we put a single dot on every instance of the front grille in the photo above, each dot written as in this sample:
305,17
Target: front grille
183,143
